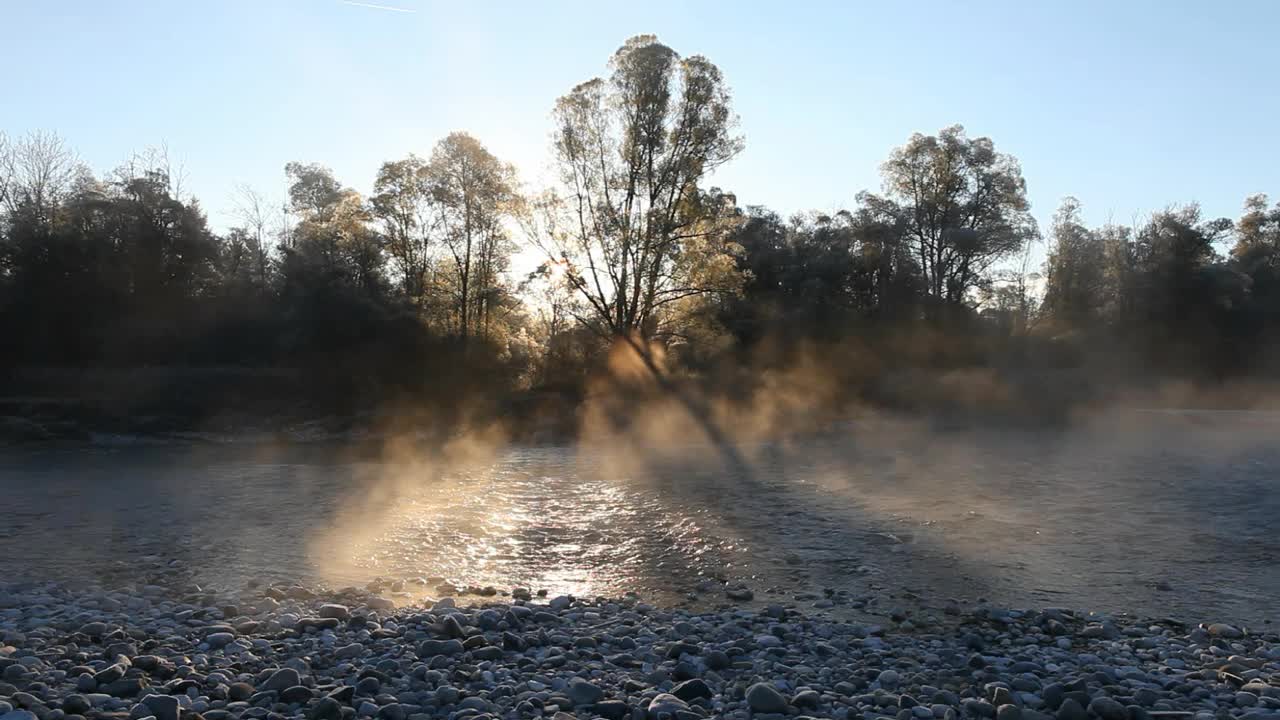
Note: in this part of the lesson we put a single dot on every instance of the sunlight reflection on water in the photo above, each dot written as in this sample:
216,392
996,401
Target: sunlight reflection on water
1090,520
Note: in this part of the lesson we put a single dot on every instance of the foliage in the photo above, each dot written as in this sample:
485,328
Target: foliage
408,292
637,233
962,205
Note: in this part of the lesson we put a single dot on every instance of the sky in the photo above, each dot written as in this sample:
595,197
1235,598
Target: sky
1129,106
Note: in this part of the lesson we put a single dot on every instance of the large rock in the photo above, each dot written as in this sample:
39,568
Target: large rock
75,704
432,648
220,640
1108,709
582,692
281,680
692,689
1071,710
667,705
334,610
1223,630
765,698
164,707
296,694
326,709
124,687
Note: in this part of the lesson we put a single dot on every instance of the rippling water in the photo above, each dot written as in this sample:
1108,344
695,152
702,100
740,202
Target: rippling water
1158,515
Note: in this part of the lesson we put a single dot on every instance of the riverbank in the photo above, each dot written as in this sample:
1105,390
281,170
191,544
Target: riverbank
245,405
144,650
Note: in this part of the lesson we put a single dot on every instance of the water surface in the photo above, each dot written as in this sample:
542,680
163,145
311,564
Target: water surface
1155,514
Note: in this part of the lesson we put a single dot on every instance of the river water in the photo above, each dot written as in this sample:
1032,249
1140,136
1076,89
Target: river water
1154,513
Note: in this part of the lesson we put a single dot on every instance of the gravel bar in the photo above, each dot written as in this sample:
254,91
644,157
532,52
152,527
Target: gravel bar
143,651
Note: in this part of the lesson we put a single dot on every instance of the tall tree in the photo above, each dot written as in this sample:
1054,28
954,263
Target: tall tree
403,201
1076,288
1257,245
1257,255
474,193
333,236
252,238
631,221
962,205
36,171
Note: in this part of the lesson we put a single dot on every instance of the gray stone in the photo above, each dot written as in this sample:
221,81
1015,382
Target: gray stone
1223,630
346,652
1071,710
109,674
296,694
1108,709
432,648
666,704
1008,712
281,680
335,611
692,689
220,640
808,699
76,704
326,709
582,692
765,698
164,707
888,679
489,652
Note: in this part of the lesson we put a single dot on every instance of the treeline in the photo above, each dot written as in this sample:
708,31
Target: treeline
409,290
378,295
1173,295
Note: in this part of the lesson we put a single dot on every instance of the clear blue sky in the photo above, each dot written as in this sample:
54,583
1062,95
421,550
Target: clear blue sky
1129,105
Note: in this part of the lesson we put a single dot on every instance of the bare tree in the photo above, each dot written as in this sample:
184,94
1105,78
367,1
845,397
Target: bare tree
254,213
36,172
6,168
157,162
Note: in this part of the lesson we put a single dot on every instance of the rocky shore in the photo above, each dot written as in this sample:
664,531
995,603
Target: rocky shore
147,651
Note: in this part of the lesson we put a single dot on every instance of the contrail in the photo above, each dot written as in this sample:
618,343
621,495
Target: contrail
378,7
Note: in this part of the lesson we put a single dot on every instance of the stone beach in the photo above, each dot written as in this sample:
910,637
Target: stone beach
181,652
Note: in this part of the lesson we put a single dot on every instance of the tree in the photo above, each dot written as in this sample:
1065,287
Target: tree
169,250
630,221
1257,255
252,238
962,205
403,201
37,172
1076,287
474,193
6,169
1182,296
333,236
1257,246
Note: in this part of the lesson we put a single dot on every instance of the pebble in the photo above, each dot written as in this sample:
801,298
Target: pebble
276,652
766,699
582,692
163,707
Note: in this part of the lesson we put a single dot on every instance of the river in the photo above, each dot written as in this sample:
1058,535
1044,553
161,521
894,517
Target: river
1153,513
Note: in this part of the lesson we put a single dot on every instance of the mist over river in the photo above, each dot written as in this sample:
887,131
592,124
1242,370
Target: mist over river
1172,514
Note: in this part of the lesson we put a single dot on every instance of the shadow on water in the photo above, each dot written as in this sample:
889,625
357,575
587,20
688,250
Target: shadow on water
1157,519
